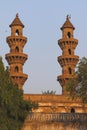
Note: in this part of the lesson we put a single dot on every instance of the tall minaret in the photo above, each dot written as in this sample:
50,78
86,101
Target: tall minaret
68,59
16,58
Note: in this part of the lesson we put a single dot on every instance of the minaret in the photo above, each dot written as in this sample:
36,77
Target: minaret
16,58
68,59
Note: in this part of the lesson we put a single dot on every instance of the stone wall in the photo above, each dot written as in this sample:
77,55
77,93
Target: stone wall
64,121
54,113
57,126
56,103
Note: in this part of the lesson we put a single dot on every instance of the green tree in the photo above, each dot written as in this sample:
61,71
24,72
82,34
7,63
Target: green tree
77,87
13,108
49,92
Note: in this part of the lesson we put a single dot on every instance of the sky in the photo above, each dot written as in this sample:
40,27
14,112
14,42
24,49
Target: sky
42,20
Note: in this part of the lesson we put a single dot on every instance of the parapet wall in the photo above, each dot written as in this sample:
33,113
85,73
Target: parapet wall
56,103
57,121
54,113
57,117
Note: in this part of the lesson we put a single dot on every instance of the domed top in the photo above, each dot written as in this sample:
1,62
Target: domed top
67,24
16,22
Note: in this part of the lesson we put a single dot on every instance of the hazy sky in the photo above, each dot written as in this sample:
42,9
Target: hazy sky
42,20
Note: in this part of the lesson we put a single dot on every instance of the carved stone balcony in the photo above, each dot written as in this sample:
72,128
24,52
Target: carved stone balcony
16,58
57,117
67,42
11,40
68,60
19,78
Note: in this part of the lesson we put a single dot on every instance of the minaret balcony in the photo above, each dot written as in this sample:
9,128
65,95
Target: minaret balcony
63,79
68,43
12,40
19,78
68,60
13,58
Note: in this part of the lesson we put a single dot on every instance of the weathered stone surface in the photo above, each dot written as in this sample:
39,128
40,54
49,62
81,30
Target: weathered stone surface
56,103
57,126
51,122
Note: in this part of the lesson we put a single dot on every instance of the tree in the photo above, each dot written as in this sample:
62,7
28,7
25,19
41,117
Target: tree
49,92
13,108
77,87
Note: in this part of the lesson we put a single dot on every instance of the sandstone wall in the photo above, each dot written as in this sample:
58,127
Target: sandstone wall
56,126
56,103
56,121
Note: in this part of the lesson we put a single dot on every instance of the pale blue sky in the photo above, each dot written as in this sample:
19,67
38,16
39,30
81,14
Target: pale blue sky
42,20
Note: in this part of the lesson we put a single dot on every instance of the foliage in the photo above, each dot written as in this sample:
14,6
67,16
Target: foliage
78,87
49,92
71,87
13,108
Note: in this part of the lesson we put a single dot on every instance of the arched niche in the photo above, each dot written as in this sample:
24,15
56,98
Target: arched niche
16,69
69,35
16,49
17,32
70,70
69,51
72,110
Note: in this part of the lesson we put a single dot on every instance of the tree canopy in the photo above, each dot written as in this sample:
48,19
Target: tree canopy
77,86
13,108
48,92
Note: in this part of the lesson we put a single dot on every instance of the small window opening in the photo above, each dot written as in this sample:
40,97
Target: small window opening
16,49
69,35
16,69
70,71
69,50
17,32
72,110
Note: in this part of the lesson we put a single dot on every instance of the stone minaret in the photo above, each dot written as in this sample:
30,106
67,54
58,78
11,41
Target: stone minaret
68,59
16,58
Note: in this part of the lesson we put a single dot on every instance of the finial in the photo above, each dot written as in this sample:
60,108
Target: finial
17,15
68,17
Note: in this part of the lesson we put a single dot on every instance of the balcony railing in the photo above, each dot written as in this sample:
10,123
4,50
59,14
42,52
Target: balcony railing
57,117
